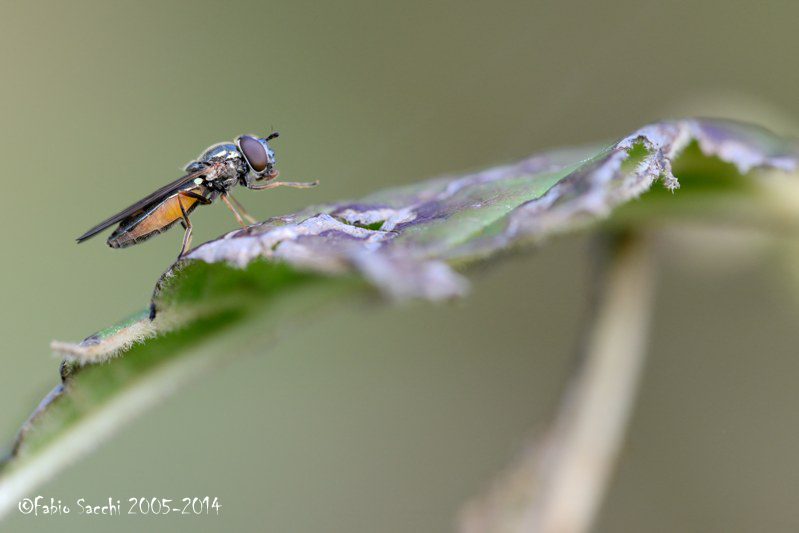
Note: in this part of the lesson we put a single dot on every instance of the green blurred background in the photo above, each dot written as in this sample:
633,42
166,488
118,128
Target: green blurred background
389,419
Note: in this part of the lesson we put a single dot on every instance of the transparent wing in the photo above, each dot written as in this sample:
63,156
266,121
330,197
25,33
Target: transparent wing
147,201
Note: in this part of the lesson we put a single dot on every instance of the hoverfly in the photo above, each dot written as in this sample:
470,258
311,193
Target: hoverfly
221,167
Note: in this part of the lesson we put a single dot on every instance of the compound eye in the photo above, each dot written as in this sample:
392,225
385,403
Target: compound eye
254,152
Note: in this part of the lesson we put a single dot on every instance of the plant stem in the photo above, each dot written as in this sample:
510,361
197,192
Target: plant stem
559,482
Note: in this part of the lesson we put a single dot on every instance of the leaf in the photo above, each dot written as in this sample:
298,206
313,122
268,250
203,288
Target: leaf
231,295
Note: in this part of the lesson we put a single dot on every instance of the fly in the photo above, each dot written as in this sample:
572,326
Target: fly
249,161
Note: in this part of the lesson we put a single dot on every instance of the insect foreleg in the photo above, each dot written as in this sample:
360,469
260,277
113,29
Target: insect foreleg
293,185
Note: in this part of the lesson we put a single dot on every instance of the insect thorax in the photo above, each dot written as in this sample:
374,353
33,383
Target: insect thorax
233,169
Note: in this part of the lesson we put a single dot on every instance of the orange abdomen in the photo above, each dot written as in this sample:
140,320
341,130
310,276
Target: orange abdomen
148,223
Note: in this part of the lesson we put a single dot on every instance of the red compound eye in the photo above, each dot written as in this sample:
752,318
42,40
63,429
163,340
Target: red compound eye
254,152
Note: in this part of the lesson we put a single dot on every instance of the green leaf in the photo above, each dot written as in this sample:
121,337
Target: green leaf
234,294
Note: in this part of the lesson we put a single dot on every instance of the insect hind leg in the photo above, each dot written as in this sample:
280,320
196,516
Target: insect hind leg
186,223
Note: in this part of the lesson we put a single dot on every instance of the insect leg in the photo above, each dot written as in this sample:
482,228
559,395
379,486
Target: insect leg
199,197
293,185
233,210
187,225
243,211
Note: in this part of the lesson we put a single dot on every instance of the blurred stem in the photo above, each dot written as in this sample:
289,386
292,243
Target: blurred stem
559,482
